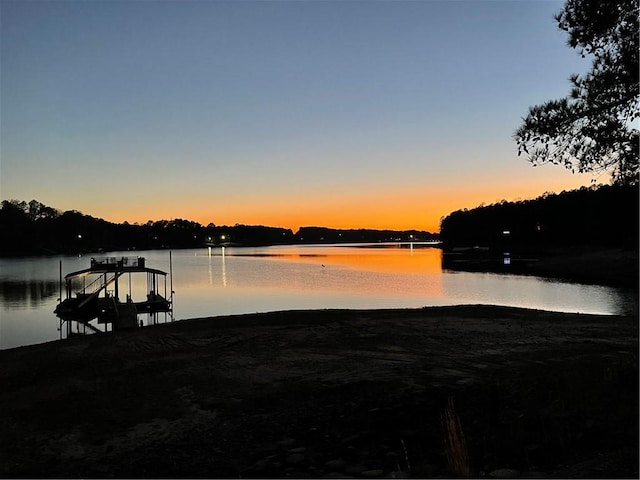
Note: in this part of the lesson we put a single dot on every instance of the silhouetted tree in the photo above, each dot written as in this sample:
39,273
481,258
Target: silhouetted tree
38,211
592,129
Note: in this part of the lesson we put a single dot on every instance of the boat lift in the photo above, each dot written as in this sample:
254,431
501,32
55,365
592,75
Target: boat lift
94,294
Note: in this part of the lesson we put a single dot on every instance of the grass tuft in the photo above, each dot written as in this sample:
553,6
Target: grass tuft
455,444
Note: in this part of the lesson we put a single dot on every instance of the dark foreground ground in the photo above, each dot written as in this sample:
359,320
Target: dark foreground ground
330,394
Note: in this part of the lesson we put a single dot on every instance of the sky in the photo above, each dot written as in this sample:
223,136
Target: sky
345,114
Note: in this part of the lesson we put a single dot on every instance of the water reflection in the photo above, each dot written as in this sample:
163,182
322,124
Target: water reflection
384,258
224,269
27,293
396,272
211,257
235,280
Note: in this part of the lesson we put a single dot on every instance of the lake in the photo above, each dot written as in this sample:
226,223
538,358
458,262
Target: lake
237,280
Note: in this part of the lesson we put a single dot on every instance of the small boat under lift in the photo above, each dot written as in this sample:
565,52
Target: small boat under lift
94,294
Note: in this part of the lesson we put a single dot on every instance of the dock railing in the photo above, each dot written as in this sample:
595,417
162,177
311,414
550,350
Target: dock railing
117,262
97,285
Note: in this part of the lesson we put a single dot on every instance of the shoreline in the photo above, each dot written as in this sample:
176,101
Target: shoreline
613,267
328,393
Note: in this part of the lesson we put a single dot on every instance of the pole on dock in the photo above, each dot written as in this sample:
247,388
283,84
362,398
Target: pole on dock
171,284
60,300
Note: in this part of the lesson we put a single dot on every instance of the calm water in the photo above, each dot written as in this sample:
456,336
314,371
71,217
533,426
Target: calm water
246,280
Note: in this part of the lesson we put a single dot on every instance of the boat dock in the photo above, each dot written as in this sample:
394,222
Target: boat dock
95,294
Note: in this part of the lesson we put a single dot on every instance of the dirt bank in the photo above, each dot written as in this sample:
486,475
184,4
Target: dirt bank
328,394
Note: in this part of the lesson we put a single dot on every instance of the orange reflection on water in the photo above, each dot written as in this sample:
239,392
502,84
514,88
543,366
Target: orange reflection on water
407,271
405,260
374,271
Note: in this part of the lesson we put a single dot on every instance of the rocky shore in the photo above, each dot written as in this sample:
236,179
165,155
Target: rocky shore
433,392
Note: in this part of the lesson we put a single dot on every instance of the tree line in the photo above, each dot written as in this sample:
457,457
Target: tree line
606,215
590,216
33,228
28,228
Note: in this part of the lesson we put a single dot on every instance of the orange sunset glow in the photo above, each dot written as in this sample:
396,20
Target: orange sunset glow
403,209
390,121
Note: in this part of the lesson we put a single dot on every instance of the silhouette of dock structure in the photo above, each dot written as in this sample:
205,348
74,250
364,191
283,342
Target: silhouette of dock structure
94,294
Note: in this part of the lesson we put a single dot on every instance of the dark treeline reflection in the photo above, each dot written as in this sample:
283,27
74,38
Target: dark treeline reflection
28,293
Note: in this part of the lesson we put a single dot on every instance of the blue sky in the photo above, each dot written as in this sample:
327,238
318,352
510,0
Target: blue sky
381,114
